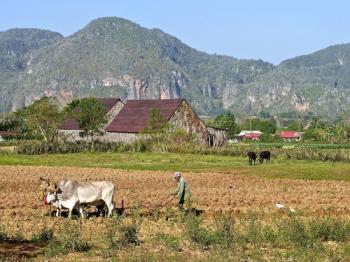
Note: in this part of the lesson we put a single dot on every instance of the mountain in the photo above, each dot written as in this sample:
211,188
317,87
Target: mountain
16,47
116,57
317,83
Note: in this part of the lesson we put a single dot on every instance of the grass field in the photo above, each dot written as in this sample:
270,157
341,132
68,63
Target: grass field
240,220
314,170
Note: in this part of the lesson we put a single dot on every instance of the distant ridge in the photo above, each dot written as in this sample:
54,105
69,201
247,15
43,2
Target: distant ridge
114,57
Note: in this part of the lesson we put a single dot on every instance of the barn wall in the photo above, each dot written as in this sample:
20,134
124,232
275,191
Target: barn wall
219,136
184,117
125,138
114,112
70,135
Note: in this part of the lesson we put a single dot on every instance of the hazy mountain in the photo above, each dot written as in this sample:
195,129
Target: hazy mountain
16,46
115,57
318,83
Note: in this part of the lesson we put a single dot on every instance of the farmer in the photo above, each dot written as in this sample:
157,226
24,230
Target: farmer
183,192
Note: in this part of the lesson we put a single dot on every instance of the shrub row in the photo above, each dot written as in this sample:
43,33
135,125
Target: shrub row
291,232
287,153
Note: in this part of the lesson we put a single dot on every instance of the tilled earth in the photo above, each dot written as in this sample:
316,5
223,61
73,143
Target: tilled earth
211,192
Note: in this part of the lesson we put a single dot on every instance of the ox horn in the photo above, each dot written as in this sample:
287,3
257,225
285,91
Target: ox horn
52,187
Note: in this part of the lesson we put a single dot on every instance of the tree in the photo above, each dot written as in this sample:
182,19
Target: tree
41,119
264,114
294,125
70,110
342,131
158,130
227,121
91,117
265,126
317,134
156,122
10,122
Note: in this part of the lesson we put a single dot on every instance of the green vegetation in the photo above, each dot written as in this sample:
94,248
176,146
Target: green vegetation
121,235
227,121
41,120
170,241
250,236
67,241
91,118
264,125
278,168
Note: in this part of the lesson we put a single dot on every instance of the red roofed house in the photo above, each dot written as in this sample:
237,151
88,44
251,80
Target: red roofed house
128,122
70,127
251,135
290,136
7,135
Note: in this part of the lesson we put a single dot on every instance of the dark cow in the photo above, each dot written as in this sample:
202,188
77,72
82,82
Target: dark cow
264,155
252,157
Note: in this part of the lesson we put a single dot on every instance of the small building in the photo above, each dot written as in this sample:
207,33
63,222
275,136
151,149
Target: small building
250,135
70,127
290,136
4,135
216,136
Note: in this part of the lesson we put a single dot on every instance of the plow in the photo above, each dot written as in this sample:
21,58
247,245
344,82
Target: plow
145,209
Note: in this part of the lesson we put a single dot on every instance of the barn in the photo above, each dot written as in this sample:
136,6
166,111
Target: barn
129,124
128,121
69,129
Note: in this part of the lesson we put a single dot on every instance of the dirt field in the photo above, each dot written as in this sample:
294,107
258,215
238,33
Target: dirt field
23,215
212,192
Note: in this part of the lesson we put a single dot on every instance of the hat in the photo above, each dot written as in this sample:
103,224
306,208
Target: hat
177,174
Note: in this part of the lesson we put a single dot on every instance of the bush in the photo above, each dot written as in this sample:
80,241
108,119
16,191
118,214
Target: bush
317,152
67,241
328,229
37,147
295,232
140,146
120,235
198,234
253,233
45,235
170,241
225,233
3,234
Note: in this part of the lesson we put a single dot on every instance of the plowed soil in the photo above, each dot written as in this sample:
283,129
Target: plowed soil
211,192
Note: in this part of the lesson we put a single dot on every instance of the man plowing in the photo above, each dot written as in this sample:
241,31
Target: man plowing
183,192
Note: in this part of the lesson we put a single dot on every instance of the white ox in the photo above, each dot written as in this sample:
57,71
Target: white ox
72,194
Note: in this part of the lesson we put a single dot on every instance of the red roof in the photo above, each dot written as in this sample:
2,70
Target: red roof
289,134
72,124
133,117
252,136
8,134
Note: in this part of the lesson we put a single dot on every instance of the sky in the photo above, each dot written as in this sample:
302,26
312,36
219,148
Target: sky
271,30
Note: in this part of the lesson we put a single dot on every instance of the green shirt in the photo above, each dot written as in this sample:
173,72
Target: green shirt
182,189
